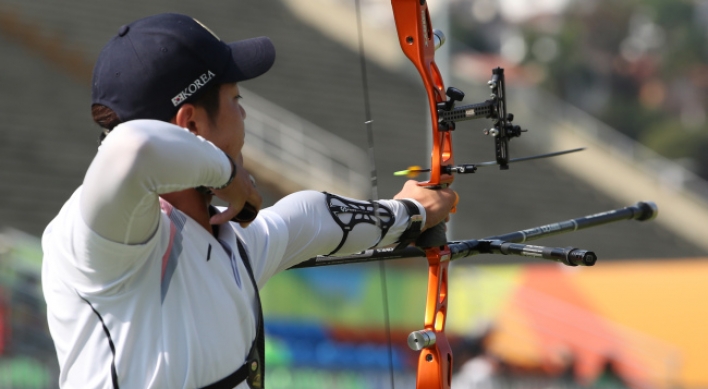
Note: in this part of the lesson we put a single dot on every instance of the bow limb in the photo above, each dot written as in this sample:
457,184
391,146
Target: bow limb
435,360
415,34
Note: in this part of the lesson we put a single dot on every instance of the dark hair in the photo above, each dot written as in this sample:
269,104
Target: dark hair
208,99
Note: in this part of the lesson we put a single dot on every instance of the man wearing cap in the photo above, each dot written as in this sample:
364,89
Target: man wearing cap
147,284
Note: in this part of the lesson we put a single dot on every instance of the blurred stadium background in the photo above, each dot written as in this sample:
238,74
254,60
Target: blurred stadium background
626,79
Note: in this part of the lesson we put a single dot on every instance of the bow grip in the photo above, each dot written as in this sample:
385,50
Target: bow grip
433,237
436,236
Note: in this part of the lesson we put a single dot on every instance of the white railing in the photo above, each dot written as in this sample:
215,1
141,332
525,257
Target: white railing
670,174
299,152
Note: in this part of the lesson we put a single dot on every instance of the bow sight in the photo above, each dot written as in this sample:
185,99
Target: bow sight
503,130
494,108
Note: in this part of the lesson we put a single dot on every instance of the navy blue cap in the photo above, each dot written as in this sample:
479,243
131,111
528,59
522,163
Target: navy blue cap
156,64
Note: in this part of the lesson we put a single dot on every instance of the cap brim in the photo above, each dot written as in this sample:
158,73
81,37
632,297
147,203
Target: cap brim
252,57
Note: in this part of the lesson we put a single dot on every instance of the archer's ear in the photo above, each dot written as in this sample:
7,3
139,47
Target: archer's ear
190,117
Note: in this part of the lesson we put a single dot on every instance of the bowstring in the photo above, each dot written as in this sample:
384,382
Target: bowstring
374,181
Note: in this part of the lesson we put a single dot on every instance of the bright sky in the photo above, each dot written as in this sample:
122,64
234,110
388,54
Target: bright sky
519,10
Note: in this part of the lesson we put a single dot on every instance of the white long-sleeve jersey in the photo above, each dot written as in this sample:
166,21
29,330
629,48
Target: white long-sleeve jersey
141,296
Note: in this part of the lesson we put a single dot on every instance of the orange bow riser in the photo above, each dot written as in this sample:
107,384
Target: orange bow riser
415,34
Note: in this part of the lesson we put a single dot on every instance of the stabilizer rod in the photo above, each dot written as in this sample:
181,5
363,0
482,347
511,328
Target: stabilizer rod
642,211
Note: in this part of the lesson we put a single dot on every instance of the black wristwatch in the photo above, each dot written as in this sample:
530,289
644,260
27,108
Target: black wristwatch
415,225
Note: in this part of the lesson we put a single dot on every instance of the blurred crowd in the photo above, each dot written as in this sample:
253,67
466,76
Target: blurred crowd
27,357
476,367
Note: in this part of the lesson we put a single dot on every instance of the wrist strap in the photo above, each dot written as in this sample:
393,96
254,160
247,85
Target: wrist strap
231,177
415,225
